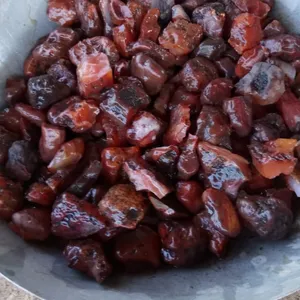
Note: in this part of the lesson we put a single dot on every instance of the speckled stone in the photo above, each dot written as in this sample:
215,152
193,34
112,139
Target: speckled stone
295,296
9,291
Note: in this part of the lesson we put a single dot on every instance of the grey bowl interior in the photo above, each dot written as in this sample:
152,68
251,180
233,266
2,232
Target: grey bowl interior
254,270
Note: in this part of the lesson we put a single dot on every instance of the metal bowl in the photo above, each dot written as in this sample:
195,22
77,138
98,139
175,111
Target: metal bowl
254,270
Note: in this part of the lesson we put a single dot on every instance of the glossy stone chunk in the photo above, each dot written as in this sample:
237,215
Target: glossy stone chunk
189,193
123,206
211,17
216,92
268,128
75,113
168,208
68,154
222,212
123,101
112,159
51,139
197,73
183,243
7,138
274,158
239,111
22,161
120,13
88,257
285,46
265,83
273,28
94,74
144,178
15,90
181,37
162,56
160,105
144,130
218,242
179,125
31,224
33,115
249,59
179,13
73,218
138,249
44,91
213,127
211,48
93,47
11,197
246,32
183,97
90,173
150,28
268,217
89,18
165,159
62,12
223,169
226,67
123,35
255,7
188,162
151,74
40,193
289,106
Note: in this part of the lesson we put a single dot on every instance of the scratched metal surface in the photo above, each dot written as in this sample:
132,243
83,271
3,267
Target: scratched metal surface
254,270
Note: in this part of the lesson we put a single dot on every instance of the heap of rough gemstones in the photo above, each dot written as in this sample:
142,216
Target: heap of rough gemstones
152,132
